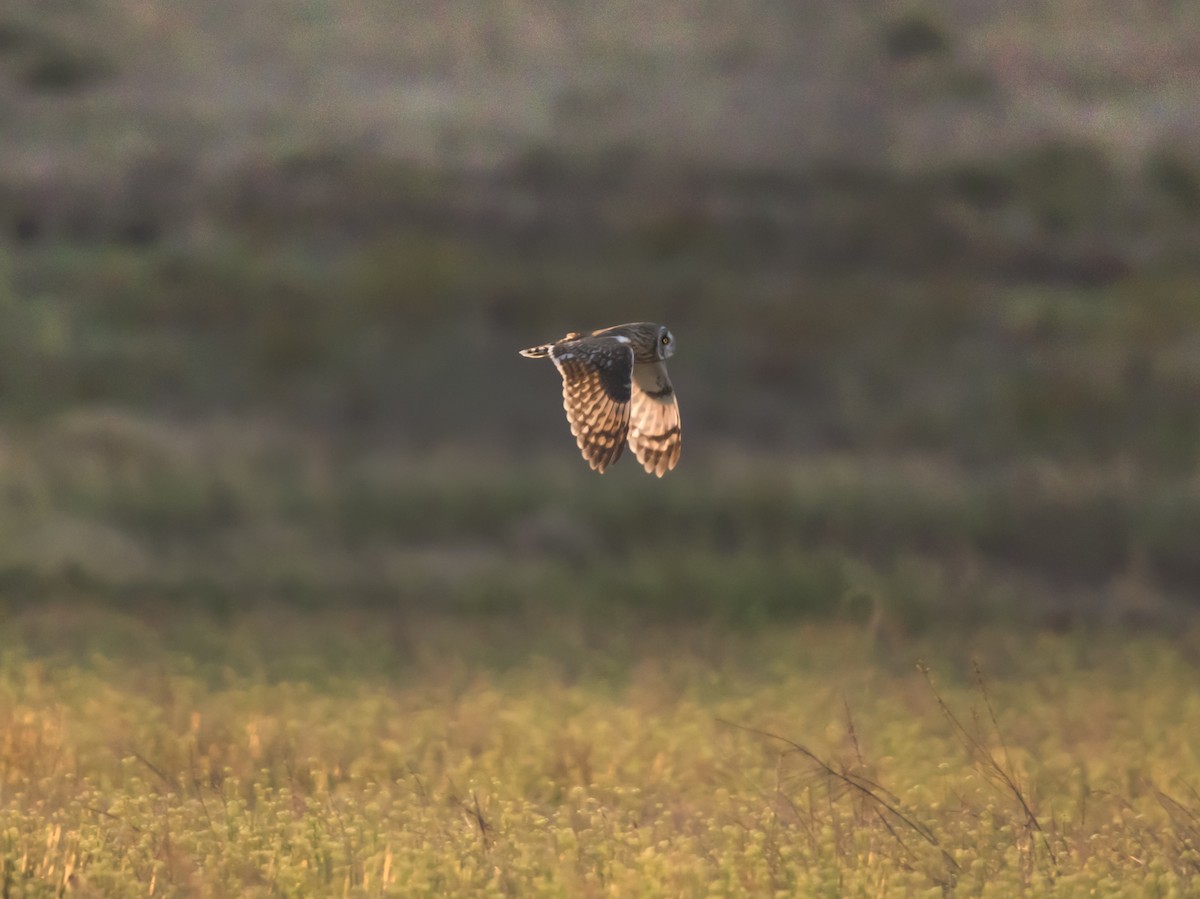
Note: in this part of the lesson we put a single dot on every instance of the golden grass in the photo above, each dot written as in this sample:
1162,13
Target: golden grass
676,762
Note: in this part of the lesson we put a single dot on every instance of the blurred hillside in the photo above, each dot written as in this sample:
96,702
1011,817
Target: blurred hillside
941,245
760,85
298,208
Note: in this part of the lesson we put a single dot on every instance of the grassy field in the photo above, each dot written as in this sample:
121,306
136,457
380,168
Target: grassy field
314,755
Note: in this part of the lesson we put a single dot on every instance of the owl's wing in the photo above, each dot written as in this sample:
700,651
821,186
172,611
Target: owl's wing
654,432
596,377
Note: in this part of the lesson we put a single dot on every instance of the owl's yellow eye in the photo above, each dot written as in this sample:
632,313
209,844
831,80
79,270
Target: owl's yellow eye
666,338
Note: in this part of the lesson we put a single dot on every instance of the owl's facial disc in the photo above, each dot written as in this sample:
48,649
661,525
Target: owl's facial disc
665,344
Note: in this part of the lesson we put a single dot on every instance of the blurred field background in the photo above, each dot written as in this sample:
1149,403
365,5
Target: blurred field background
934,270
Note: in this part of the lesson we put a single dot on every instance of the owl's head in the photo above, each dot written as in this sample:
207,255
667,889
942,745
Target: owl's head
664,343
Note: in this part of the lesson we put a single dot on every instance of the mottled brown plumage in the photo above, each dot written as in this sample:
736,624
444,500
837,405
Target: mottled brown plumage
616,391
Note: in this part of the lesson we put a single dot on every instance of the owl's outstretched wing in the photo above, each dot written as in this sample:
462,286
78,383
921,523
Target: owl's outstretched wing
654,431
597,375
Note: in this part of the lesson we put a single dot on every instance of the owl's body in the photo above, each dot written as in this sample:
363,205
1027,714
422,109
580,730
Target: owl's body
616,390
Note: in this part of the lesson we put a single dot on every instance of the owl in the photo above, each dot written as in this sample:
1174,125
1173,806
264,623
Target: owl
616,389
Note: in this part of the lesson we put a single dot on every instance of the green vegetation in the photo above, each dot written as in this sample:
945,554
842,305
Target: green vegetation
891,315
288,757
133,511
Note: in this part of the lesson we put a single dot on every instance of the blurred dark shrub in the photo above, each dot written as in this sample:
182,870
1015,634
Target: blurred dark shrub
1176,178
15,36
43,62
913,36
56,67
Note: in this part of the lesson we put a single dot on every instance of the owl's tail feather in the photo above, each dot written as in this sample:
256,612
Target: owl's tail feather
537,352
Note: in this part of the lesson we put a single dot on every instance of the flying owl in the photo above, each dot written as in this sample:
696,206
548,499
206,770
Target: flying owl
615,388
